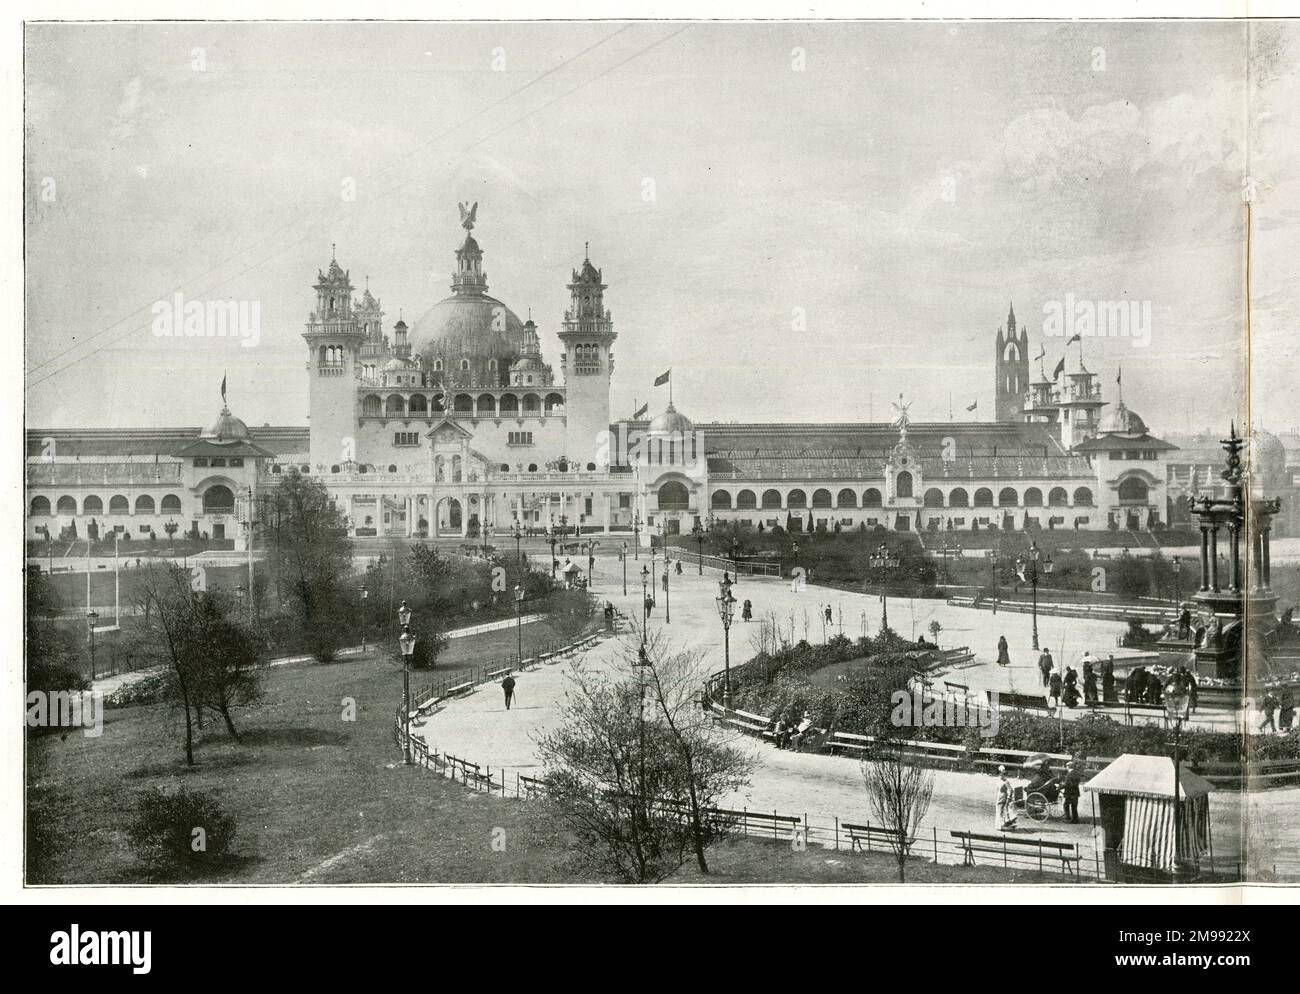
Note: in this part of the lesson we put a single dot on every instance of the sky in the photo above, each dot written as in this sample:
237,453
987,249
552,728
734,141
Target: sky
801,220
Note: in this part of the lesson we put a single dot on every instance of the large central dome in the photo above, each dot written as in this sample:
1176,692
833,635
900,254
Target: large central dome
469,324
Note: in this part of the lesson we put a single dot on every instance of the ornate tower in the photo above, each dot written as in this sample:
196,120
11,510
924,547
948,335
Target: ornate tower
334,339
588,363
1011,371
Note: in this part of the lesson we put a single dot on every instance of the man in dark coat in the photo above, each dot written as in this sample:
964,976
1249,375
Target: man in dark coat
1070,792
1089,683
508,685
1070,695
1045,666
1004,657
1108,681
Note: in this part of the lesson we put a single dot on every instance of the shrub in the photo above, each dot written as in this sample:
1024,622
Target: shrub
185,831
151,689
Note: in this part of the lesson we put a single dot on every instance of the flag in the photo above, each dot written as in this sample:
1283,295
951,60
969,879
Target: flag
1119,377
223,388
1060,367
1042,353
973,406
640,412
662,378
1075,338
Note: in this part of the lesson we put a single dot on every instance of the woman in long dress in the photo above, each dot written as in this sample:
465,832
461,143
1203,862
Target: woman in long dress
1004,657
1005,811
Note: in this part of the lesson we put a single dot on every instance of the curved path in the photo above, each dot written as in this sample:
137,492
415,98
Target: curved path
479,729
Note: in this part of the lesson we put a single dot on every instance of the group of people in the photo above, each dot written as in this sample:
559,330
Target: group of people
1045,782
1279,711
1062,687
789,734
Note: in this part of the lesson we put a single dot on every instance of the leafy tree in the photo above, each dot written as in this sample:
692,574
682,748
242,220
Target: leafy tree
185,830
52,662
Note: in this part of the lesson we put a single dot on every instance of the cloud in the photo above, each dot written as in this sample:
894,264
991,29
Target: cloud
127,117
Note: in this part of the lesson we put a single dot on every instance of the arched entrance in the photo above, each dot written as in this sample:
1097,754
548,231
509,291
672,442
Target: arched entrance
449,515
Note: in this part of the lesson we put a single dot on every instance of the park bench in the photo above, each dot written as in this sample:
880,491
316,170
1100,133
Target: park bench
460,688
1131,708
1008,846
499,674
532,787
764,820
888,837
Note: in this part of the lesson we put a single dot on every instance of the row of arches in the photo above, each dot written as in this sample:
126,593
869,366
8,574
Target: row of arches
217,499
871,497
398,405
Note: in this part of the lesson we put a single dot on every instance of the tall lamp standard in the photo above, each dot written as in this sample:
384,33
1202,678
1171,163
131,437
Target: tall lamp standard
519,619
636,534
550,539
518,534
726,611
1032,567
668,604
735,559
652,549
406,642
883,560
697,532
592,546
365,596
645,602
485,533
1178,590
623,557
1176,698
91,618
993,569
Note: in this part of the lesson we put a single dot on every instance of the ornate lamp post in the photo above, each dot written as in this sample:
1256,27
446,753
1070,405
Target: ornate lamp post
1176,698
550,539
735,558
519,620
365,596
485,533
1178,590
668,609
726,611
993,569
883,560
406,643
652,548
697,532
645,601
1031,567
592,546
623,557
91,618
636,534
518,533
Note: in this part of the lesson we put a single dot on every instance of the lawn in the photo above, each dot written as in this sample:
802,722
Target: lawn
322,800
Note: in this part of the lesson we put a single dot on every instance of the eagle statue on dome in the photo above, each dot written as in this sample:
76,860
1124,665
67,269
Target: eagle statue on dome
467,215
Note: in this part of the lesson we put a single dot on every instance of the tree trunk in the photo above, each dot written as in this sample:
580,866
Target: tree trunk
230,725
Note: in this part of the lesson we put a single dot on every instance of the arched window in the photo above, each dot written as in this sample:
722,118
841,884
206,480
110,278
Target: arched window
532,403
673,496
532,467
1134,489
437,365
1033,497
771,499
372,406
934,497
171,504
457,469
392,467
40,507
591,467
821,498
92,505
505,467
487,405
720,500
983,497
846,498
958,497
464,365
1007,497
1058,497
68,505
509,404
871,497
394,407
746,501
218,499
554,403
116,505
144,504
463,404
796,498
903,484
1083,497
419,404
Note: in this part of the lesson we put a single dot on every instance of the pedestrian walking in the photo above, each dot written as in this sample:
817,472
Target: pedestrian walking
1054,690
649,605
1045,666
1108,694
829,616
1004,656
1089,681
679,567
1270,708
1070,693
508,685
747,611
1004,811
1070,792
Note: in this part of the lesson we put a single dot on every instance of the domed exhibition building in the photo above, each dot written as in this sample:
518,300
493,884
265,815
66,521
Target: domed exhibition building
457,421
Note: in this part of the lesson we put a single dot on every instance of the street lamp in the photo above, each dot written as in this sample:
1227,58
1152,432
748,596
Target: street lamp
993,568
518,534
697,532
550,538
91,618
1178,595
1176,697
726,611
623,556
645,601
636,534
668,608
884,560
592,546
485,533
519,620
406,642
365,596
1032,566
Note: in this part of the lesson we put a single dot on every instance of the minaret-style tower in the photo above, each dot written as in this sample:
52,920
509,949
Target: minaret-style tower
588,363
334,338
1011,371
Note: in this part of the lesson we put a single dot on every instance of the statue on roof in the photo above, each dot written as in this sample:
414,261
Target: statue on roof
901,417
467,215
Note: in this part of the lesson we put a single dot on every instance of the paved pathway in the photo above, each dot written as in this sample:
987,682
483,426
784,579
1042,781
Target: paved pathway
479,729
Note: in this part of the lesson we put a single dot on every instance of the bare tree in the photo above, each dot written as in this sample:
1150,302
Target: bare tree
899,793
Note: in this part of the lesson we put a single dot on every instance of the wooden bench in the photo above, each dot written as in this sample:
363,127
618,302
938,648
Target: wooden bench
460,688
503,672
1010,845
873,833
1134,708
764,820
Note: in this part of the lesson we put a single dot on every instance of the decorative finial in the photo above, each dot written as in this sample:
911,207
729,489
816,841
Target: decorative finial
334,255
586,251
468,215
